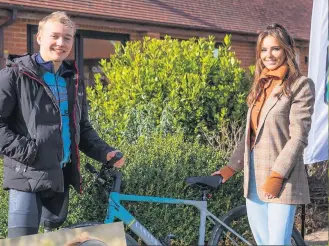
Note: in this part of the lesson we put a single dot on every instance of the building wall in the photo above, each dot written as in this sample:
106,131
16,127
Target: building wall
15,41
303,55
15,37
245,52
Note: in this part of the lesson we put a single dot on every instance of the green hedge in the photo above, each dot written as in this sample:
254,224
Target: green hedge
3,205
155,166
158,166
165,85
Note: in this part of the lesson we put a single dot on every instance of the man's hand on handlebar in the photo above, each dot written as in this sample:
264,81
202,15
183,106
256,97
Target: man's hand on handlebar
118,163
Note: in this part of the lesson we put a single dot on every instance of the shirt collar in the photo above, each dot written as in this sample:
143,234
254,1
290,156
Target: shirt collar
48,66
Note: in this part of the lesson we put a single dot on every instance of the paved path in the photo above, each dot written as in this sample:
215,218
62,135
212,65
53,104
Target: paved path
317,238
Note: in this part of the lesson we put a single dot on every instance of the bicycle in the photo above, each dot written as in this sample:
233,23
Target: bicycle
221,233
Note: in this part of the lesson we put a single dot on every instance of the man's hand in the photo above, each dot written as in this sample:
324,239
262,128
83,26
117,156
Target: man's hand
119,163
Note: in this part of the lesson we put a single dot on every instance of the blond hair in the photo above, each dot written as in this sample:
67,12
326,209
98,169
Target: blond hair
292,60
60,17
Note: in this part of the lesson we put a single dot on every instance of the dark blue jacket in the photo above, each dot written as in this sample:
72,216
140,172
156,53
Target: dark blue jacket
32,160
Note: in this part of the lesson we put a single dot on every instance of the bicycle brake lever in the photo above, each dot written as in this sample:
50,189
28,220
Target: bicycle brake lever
90,168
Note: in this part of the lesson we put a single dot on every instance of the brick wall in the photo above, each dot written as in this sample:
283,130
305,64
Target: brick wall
245,52
303,52
15,41
15,37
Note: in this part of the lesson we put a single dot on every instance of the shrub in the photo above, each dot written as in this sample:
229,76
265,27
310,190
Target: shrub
3,206
158,166
173,84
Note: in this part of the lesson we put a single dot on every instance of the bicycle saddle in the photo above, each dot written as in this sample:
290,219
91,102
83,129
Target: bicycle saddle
212,182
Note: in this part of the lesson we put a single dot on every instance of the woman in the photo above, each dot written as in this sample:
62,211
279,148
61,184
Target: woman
281,103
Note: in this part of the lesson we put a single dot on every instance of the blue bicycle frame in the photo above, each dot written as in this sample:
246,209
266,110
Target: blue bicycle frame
116,210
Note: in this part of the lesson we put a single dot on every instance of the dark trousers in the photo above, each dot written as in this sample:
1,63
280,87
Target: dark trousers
27,211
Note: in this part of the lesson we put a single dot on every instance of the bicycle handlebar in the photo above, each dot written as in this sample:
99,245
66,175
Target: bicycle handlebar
116,175
210,181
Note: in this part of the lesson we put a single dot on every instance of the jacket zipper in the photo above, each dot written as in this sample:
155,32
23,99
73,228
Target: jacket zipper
60,114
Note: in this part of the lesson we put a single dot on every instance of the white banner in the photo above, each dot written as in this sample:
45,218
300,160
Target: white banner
317,149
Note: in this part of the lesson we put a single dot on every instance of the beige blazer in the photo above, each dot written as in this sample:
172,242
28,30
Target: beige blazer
280,141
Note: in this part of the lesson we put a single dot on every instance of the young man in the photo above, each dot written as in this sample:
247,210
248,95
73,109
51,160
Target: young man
43,124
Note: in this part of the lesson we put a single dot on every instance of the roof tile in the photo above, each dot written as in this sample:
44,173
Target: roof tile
234,15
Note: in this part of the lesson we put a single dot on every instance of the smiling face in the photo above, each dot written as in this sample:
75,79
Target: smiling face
272,54
56,41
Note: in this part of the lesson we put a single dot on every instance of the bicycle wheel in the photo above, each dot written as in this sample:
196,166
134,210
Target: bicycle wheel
129,239
238,221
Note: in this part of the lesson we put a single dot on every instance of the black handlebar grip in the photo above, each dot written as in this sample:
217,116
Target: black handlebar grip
90,168
114,159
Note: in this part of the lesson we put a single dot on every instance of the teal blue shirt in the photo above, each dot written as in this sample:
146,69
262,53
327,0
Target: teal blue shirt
57,85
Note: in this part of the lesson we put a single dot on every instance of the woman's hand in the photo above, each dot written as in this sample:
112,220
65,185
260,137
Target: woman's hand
273,185
269,196
219,173
226,172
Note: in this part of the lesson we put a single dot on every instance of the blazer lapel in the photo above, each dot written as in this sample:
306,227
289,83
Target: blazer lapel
269,104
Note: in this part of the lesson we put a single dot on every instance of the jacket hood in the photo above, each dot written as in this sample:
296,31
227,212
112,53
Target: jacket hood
22,61
28,63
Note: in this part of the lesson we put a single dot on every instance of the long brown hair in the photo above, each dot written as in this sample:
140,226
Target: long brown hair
288,44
